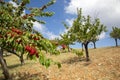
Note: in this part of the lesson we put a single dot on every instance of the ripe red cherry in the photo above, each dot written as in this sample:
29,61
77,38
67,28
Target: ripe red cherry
13,29
33,51
28,48
31,15
35,38
13,35
63,46
16,31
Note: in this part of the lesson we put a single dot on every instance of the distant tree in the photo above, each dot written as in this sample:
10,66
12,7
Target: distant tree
66,37
115,33
99,29
84,31
65,40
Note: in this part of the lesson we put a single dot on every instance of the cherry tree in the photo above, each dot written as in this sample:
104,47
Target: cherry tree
85,31
18,36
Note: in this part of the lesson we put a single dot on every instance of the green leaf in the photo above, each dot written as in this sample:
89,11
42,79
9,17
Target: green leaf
58,64
47,63
51,2
42,60
26,1
11,17
78,53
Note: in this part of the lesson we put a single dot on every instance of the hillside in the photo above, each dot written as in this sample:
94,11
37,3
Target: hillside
104,65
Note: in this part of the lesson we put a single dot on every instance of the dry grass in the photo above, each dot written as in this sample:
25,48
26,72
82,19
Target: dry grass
104,65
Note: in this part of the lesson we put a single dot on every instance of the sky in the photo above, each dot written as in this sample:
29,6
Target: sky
66,10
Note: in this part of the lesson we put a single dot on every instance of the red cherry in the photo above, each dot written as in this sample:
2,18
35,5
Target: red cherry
35,38
25,17
16,30
33,51
13,35
63,46
31,15
37,55
28,48
13,29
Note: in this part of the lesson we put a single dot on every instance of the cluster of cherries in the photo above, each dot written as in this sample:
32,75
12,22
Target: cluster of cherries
15,32
19,32
31,50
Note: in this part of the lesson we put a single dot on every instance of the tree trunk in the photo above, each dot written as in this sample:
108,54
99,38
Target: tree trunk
21,59
86,51
94,45
4,66
116,42
82,46
68,48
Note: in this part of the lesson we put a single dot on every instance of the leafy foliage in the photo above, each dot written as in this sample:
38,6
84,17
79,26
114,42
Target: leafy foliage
66,38
17,34
83,30
115,33
78,53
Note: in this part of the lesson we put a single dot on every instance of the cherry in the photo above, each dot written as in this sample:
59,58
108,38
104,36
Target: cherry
63,46
1,36
35,38
33,51
16,31
28,48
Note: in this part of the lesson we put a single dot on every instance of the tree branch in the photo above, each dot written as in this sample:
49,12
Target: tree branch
13,52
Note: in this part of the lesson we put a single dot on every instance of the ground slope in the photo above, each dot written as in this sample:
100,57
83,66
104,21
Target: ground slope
104,65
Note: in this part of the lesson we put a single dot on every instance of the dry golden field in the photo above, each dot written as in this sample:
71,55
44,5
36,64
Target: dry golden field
104,65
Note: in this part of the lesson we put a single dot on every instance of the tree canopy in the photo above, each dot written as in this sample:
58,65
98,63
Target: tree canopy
17,34
85,31
115,33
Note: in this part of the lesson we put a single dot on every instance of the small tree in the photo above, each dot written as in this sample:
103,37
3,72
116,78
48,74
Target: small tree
85,31
115,33
65,40
18,36
99,29
66,37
